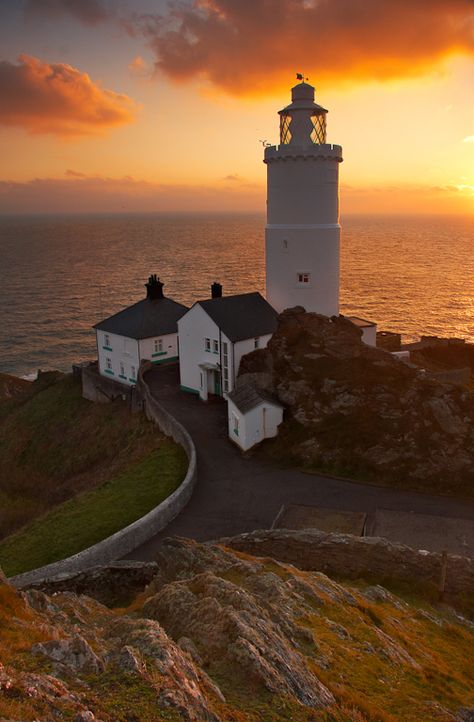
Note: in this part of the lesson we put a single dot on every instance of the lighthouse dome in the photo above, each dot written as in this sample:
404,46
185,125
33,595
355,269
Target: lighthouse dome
302,91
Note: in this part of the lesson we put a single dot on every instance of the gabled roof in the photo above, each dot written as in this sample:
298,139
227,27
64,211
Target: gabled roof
146,318
248,397
240,317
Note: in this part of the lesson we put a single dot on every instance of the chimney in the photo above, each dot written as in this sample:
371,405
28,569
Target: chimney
216,290
154,288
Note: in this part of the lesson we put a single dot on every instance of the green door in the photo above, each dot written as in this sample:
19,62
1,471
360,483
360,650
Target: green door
217,383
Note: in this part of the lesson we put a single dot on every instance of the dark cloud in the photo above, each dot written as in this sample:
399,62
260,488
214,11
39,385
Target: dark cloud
58,99
90,12
82,193
248,47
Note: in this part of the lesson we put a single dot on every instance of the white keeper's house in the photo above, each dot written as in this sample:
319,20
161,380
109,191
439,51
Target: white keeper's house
214,335
147,330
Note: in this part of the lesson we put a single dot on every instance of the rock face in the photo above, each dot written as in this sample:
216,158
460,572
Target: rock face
355,410
219,635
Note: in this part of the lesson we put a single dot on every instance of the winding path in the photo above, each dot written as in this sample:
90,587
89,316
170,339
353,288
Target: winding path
236,494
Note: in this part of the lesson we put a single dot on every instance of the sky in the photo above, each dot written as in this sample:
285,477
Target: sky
147,105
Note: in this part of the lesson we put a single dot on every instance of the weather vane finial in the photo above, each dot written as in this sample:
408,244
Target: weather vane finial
300,76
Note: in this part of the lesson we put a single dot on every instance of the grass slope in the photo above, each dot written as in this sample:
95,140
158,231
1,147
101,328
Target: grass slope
73,472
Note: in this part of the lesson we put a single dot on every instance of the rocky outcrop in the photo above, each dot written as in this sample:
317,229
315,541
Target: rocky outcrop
12,386
219,635
355,410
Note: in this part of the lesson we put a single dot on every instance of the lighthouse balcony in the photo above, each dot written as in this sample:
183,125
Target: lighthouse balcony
314,151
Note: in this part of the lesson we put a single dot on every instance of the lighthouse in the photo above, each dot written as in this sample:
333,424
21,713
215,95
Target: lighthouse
302,234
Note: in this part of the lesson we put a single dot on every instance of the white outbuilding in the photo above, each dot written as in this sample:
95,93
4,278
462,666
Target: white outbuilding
214,335
368,328
252,416
148,330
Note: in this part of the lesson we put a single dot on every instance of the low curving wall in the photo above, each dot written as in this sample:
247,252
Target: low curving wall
132,536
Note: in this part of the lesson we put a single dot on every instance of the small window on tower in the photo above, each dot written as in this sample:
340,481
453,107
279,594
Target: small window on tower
303,278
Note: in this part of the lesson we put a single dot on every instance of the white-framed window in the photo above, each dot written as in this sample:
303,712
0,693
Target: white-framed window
108,364
303,278
106,340
133,373
158,345
122,369
215,346
256,342
207,344
225,364
235,424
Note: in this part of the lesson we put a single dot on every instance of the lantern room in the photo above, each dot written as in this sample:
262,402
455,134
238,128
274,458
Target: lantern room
303,122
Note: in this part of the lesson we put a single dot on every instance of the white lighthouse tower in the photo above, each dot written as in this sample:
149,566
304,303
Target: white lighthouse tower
303,233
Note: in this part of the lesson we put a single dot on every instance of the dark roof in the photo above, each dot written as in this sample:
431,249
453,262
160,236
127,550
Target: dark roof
245,316
248,397
145,319
360,322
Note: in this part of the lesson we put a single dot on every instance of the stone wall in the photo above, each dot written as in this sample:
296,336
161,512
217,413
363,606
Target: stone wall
127,539
352,557
103,390
116,584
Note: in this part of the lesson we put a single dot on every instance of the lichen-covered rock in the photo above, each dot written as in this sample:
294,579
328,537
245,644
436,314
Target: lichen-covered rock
231,625
220,635
355,410
74,653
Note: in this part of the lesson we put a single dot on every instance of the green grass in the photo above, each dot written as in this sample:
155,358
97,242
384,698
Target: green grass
55,445
94,515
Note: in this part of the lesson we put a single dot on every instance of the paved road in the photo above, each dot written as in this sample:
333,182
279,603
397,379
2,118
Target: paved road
237,494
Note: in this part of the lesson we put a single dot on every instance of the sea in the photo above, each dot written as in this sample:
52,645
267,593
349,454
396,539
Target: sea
59,275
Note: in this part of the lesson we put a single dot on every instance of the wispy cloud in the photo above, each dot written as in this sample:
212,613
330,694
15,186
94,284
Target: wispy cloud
89,12
468,139
81,193
139,66
58,99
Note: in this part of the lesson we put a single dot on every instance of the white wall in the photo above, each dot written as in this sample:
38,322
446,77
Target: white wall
303,233
255,425
130,352
243,347
169,352
193,328
119,349
369,335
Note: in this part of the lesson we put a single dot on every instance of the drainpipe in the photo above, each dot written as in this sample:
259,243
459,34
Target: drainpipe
233,366
220,363
97,347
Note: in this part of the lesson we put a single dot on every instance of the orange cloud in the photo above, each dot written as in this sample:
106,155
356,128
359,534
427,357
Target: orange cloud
247,47
58,99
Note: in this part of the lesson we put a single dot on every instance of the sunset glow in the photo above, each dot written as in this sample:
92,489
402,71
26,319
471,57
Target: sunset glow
150,106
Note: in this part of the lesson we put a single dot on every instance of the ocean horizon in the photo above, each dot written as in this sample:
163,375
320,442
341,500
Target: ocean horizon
62,273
